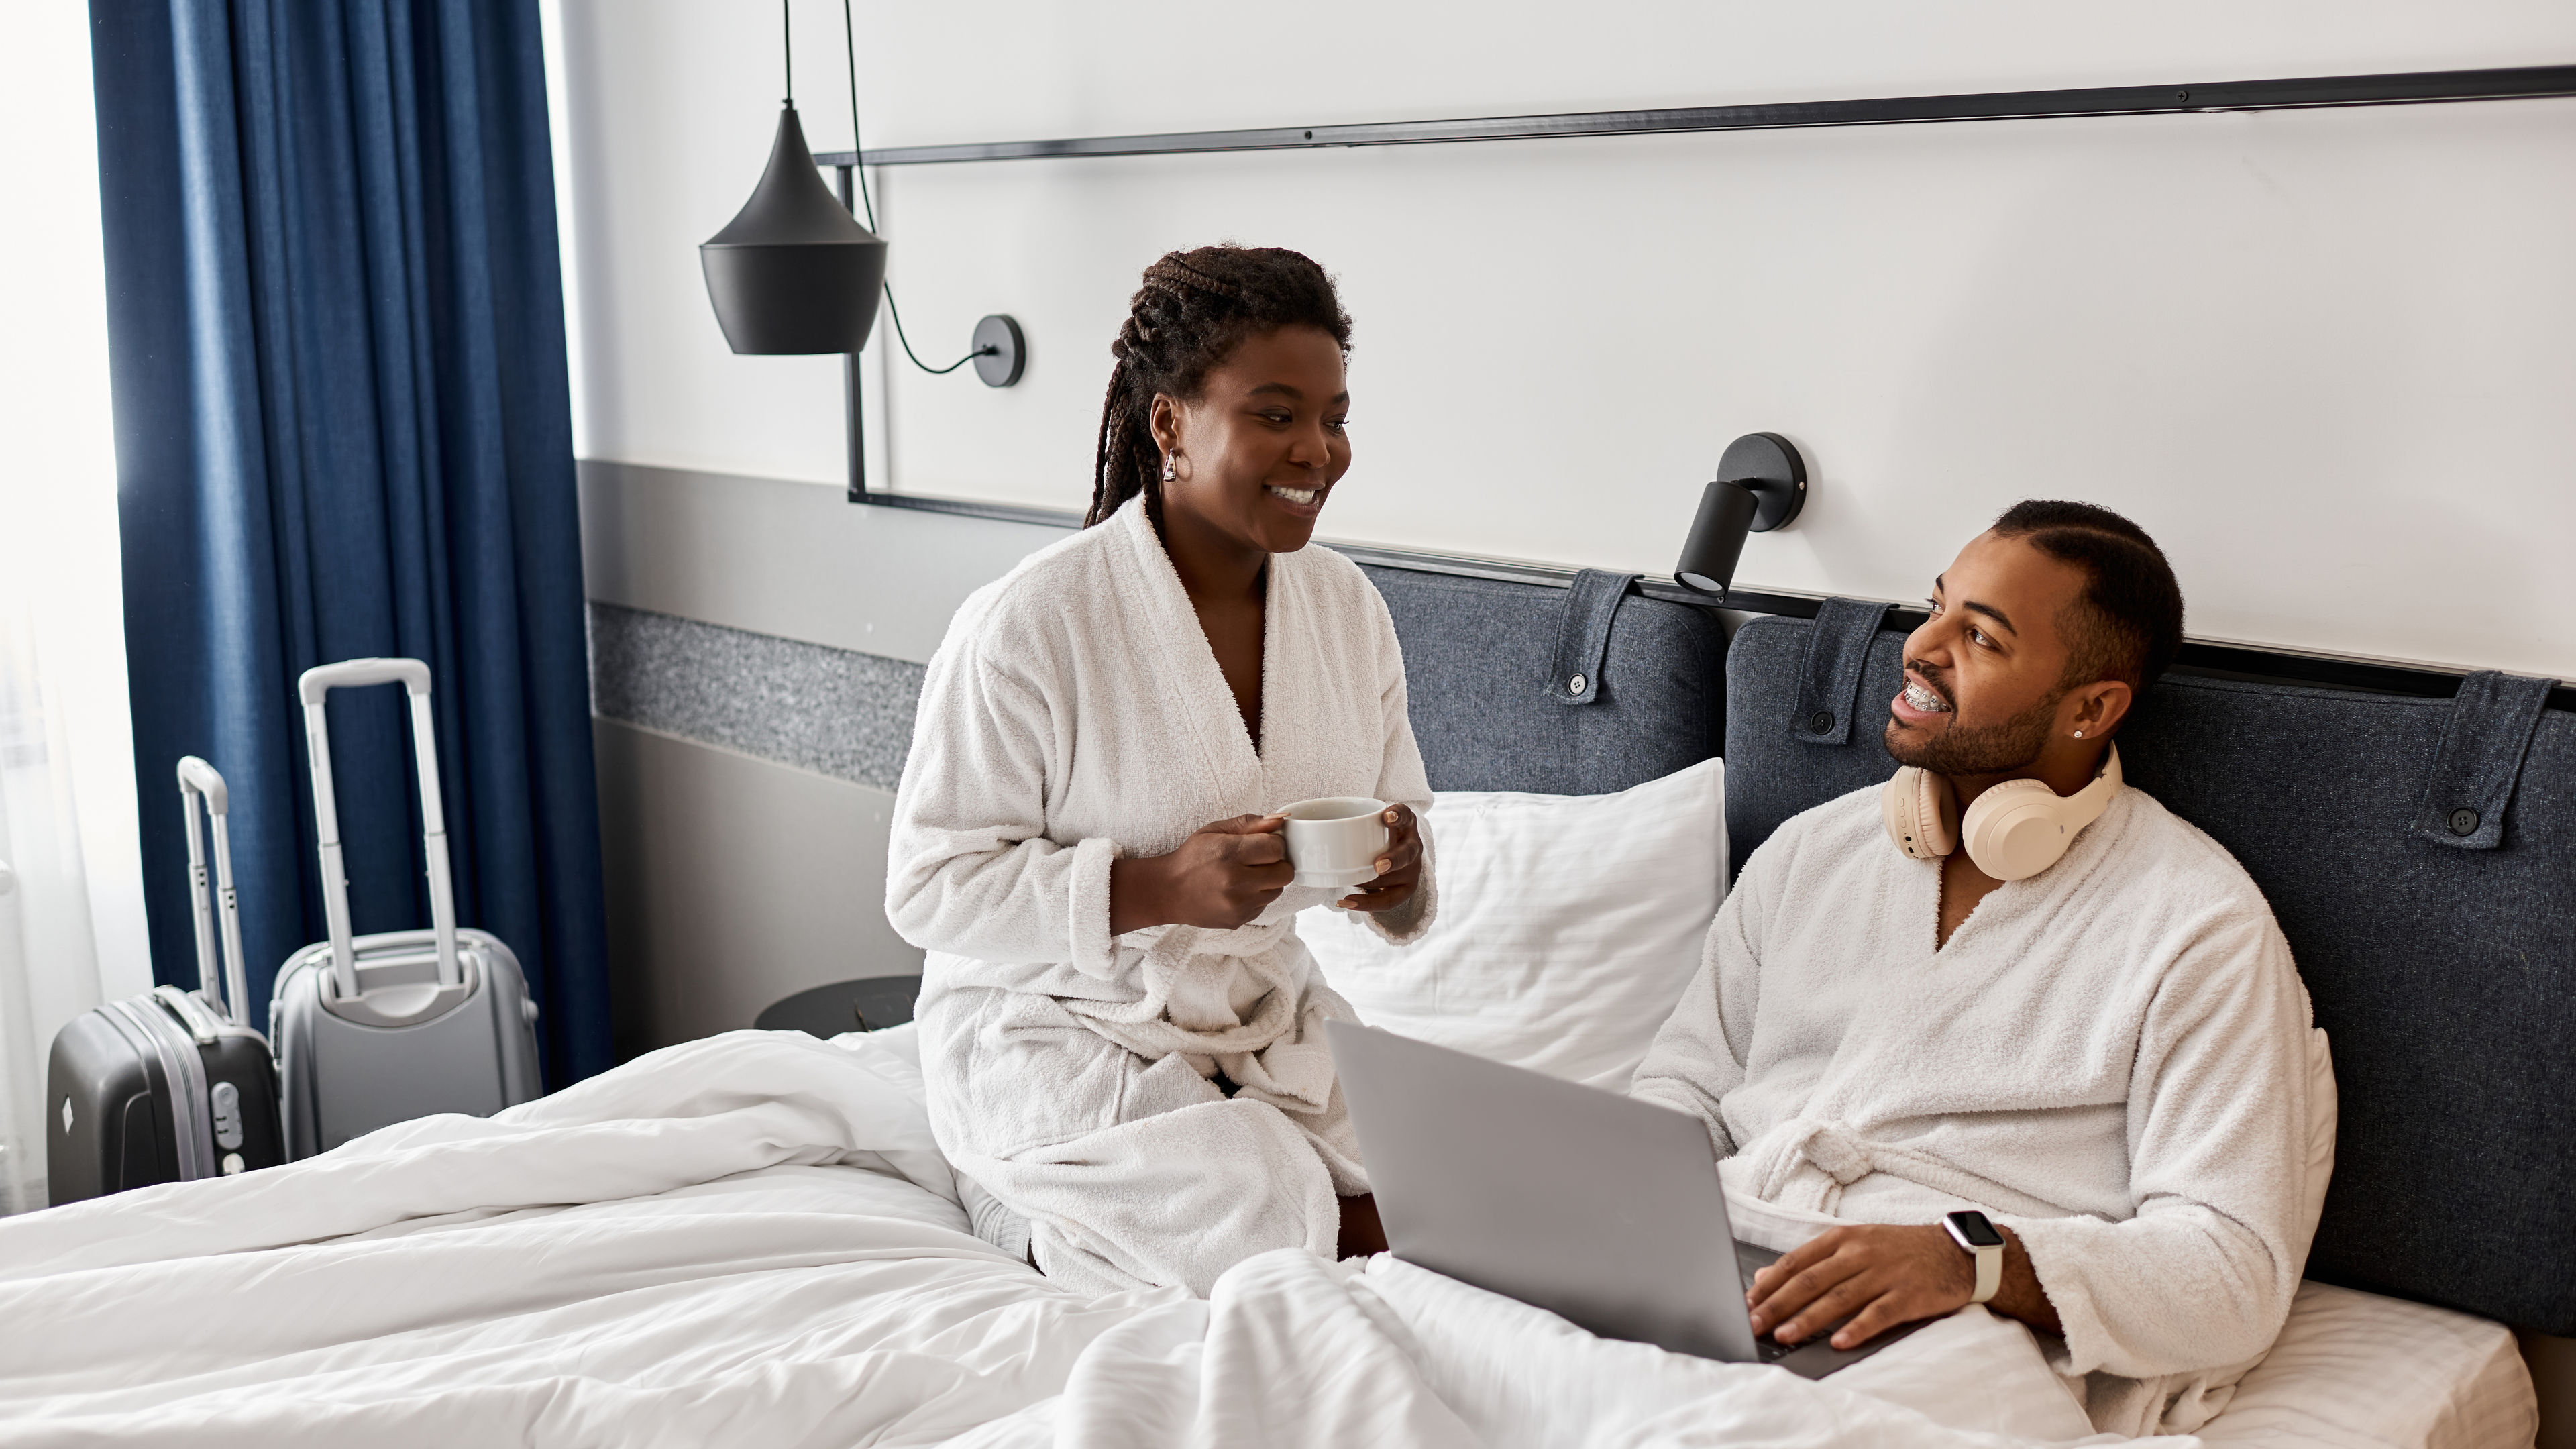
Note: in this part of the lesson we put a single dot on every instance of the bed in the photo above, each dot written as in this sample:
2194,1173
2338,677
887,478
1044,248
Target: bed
753,1238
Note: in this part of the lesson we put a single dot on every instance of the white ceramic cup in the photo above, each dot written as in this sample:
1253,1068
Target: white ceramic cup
1336,841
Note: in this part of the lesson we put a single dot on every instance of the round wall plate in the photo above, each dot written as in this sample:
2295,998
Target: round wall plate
1008,353
1769,465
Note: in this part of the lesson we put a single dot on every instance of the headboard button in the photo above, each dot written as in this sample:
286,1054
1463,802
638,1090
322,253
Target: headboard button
1820,721
2464,821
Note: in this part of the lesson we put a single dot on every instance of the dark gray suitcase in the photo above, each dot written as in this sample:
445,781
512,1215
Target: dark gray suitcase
385,1028
168,1086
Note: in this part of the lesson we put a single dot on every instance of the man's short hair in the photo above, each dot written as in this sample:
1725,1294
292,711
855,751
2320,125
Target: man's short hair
2129,617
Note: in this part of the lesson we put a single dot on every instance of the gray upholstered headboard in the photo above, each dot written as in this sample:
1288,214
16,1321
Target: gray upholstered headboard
2420,853
1493,666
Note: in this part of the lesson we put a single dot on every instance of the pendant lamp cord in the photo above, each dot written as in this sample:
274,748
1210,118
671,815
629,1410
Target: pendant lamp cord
787,46
850,46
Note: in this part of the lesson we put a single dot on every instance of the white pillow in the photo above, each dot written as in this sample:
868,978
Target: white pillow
1568,926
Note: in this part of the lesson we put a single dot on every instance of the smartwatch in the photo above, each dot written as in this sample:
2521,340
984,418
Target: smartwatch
1979,1240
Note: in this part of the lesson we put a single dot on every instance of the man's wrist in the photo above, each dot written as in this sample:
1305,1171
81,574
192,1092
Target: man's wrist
2023,1295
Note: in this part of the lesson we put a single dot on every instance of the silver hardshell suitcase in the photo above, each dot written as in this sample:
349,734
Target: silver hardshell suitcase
386,1028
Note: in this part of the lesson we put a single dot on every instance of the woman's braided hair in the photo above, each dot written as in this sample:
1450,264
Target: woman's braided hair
1195,308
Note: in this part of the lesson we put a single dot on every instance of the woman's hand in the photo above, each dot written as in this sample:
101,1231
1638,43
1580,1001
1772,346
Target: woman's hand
1399,870
1222,876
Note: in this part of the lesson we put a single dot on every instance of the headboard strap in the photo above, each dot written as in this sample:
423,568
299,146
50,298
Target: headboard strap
1584,636
2483,743
1829,685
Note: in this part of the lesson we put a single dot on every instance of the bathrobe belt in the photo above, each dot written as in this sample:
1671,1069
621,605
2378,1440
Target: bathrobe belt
1275,1054
1806,1162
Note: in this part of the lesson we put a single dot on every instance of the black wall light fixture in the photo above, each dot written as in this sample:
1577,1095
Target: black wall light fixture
1761,484
794,273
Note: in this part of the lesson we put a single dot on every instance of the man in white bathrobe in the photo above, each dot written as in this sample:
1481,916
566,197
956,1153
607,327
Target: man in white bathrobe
2109,1057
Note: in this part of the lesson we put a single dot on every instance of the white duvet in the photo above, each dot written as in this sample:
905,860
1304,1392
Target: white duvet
750,1240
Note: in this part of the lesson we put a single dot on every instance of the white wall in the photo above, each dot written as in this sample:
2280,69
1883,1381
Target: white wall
2320,354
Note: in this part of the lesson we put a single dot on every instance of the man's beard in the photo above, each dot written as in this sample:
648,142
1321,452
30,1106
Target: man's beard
1994,749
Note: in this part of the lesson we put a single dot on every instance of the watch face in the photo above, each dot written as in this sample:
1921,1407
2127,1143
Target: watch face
1978,1232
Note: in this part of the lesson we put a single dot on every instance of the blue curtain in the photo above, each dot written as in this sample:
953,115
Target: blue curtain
337,346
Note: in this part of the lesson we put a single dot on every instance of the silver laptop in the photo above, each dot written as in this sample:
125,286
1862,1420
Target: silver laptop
1603,1210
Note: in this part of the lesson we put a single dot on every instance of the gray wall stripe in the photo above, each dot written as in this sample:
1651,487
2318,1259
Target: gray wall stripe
831,711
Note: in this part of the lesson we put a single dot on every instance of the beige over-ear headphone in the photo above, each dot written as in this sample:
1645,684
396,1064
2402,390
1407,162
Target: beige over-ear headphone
2014,830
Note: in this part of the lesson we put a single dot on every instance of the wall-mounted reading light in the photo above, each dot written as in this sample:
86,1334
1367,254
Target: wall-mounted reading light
1761,484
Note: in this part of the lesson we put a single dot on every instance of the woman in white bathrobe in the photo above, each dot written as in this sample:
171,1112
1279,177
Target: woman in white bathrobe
1121,1032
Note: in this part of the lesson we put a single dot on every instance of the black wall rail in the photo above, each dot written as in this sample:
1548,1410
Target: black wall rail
2418,88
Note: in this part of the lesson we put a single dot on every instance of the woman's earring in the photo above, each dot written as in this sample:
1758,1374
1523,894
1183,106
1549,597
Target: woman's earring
1167,467
2079,734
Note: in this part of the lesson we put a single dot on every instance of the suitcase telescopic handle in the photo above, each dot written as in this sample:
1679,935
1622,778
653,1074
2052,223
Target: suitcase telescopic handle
413,676
199,781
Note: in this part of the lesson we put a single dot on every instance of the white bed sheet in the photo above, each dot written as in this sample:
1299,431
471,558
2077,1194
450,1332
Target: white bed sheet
745,1241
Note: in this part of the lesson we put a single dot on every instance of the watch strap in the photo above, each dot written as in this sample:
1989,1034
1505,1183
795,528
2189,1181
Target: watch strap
1990,1273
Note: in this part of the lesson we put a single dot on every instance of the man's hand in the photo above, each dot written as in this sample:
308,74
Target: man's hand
1880,1275
1399,869
1225,874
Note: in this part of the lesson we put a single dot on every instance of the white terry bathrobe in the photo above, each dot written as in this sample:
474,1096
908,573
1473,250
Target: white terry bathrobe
2110,1057
1075,714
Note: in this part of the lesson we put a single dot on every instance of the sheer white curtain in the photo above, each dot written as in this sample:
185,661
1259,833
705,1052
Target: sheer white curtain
71,920
48,956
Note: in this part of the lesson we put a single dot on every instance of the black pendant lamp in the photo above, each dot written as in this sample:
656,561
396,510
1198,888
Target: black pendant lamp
794,272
